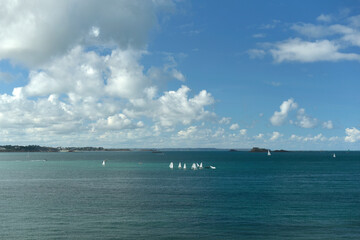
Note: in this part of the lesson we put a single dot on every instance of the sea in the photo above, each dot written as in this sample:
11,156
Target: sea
290,195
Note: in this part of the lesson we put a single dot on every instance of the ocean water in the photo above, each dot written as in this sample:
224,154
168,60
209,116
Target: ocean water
296,195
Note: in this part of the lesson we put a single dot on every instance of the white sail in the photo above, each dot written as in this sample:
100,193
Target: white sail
197,165
212,167
179,166
184,167
201,166
193,166
269,154
171,165
334,155
103,162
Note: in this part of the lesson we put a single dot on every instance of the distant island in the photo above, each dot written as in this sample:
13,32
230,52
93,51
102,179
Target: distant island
36,148
256,149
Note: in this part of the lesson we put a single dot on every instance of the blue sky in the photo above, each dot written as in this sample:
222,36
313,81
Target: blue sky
233,74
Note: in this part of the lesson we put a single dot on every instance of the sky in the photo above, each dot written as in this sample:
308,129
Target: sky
180,74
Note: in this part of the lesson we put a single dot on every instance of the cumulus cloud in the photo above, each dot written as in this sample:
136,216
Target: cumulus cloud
324,18
319,137
302,119
85,73
234,126
243,132
328,124
279,118
116,122
353,135
225,120
275,136
48,28
259,136
188,132
305,121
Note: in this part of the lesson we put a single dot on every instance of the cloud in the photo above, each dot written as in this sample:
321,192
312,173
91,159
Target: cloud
225,120
259,35
275,136
279,118
219,133
333,42
116,122
353,135
188,132
328,124
324,18
259,136
256,53
243,132
48,28
296,49
305,121
316,138
86,80
234,126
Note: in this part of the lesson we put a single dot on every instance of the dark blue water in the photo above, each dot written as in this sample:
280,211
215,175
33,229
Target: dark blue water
298,195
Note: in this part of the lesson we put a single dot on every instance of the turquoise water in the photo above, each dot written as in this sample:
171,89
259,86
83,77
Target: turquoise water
297,195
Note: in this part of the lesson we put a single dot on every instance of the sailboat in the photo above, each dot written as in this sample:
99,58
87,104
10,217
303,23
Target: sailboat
193,166
197,165
269,154
179,165
184,167
201,166
334,156
171,165
103,162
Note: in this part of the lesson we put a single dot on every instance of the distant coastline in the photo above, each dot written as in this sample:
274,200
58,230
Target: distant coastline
37,148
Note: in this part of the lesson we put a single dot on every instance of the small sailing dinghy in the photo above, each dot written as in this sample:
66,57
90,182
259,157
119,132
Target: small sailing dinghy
171,165
179,166
201,166
269,154
184,167
103,162
334,156
193,166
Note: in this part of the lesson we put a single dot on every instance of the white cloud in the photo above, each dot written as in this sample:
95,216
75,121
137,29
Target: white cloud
188,132
312,30
278,118
234,126
258,35
324,18
225,120
259,136
316,138
95,31
86,80
304,51
243,132
34,31
256,53
116,122
219,133
275,136
328,124
305,121
353,135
